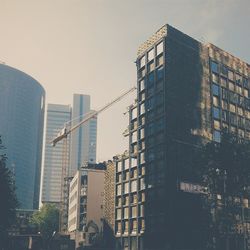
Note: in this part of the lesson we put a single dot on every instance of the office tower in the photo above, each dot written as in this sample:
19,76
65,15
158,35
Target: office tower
83,140
21,128
57,116
187,93
86,204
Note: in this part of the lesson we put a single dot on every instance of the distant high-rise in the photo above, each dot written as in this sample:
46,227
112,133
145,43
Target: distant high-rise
81,145
21,127
83,140
57,116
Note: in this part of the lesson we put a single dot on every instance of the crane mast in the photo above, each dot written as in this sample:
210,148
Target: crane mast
62,136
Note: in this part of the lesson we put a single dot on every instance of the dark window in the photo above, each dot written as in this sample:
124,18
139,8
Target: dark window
150,79
233,119
247,124
215,89
141,72
214,67
224,93
224,116
217,136
216,113
241,122
224,70
245,82
159,73
247,103
233,97
159,60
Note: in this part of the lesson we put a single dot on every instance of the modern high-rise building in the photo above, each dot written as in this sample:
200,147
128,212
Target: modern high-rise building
81,145
57,116
83,140
22,101
187,93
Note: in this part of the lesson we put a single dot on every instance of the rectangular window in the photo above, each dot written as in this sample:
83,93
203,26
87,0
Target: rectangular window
126,187
217,136
159,60
232,108
241,133
134,137
245,82
142,62
133,186
214,67
231,85
142,108
118,213
216,124
216,101
246,92
142,96
134,113
216,113
134,212
142,184
223,82
233,119
119,189
159,73
215,89
230,75
215,78
238,79
142,85
126,164
240,111
224,70
241,122
151,55
125,213
238,89
141,72
224,93
142,158
159,48
150,80
224,104
151,66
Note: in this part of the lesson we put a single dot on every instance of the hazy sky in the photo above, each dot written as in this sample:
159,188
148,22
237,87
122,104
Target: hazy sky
89,46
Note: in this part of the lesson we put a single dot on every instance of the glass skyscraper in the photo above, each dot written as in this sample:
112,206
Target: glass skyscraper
21,128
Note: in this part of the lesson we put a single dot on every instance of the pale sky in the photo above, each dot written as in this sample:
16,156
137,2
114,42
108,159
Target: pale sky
89,46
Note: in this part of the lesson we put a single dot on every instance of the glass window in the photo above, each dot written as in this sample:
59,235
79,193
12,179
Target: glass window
133,162
215,78
159,48
150,66
214,67
125,213
232,108
159,60
142,183
233,129
142,158
224,116
126,187
126,164
134,113
238,79
119,189
241,133
224,70
119,166
142,96
150,79
247,114
216,124
238,89
217,136
245,82
142,85
216,89
141,72
216,113
118,213
142,108
142,62
224,93
240,111
223,82
134,137
224,104
216,101
230,75
151,55
159,73
231,86
245,92
134,211
233,119
142,133
241,122
133,185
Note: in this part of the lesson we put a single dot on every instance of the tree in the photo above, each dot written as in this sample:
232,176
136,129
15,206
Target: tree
47,220
7,198
224,170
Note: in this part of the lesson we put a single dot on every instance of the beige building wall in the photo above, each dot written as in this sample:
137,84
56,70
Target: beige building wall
95,194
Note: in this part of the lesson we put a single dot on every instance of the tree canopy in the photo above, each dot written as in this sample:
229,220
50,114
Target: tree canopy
47,220
7,196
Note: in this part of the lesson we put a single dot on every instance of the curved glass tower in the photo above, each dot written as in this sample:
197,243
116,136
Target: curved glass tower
21,128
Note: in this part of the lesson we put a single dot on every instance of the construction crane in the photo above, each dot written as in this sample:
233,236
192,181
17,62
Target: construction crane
62,135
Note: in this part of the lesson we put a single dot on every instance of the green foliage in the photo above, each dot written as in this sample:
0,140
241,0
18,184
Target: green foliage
224,170
7,196
47,220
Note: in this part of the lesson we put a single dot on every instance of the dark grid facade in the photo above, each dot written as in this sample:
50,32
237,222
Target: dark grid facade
187,92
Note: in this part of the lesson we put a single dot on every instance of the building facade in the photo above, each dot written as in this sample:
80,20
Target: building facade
83,140
85,211
57,116
22,101
187,92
